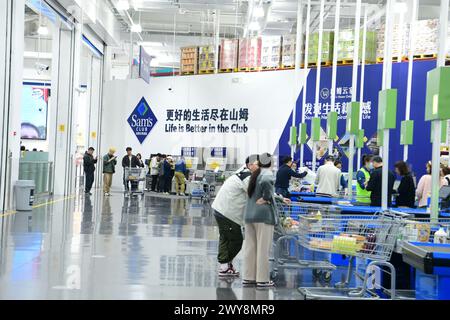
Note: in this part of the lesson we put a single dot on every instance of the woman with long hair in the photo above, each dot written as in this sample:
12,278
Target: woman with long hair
423,191
260,218
406,190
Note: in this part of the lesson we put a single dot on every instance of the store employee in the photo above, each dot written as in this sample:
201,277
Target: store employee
284,175
362,178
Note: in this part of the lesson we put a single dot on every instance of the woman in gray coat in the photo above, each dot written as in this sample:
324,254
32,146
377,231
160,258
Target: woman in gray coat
260,218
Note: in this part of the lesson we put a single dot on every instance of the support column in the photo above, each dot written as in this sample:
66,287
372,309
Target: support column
66,61
436,154
12,19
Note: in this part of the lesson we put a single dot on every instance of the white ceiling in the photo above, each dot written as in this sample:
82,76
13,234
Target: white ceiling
168,25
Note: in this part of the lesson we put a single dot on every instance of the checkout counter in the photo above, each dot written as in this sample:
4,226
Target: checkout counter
432,264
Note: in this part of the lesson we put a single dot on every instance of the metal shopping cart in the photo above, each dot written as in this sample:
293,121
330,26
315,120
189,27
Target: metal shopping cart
420,230
371,238
204,189
287,231
135,176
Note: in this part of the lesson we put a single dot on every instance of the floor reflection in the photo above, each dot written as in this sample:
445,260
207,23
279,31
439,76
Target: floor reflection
122,248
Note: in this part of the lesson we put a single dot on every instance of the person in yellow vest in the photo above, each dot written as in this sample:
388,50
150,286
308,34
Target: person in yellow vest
362,178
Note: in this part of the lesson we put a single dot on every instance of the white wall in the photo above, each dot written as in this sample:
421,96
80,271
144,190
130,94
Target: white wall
269,97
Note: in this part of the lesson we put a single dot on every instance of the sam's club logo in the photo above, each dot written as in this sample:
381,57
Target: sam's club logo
142,120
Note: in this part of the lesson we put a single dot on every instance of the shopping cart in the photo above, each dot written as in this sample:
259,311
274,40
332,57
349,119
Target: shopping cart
415,229
135,176
370,238
287,232
201,190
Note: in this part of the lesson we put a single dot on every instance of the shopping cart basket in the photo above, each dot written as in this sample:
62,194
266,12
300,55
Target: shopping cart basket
371,238
201,190
287,231
420,230
135,176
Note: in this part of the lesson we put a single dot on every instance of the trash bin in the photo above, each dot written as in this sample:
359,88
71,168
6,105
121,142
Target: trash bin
24,195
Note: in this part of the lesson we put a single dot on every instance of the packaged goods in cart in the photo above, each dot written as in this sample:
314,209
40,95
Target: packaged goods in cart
289,224
344,244
360,240
321,244
423,231
440,236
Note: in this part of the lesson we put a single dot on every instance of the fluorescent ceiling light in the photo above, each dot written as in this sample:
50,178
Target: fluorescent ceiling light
42,30
400,7
123,5
151,44
136,28
259,12
254,26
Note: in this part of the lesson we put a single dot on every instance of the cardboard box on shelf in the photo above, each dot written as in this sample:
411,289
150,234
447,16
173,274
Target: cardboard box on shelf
228,58
327,47
288,51
346,45
270,51
206,58
249,53
189,60
399,41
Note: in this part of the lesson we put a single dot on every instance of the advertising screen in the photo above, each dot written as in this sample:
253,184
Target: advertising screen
34,112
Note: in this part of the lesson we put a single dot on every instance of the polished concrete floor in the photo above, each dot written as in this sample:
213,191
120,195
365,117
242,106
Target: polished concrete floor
120,248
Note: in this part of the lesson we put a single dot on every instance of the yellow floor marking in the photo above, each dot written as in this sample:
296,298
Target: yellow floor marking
12,212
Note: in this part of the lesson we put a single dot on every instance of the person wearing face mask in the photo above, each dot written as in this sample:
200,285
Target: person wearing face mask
363,176
375,183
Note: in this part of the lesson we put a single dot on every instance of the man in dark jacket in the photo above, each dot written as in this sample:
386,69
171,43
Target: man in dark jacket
284,175
130,161
375,186
89,168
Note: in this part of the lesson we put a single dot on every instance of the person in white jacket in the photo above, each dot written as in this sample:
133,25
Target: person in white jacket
154,170
328,178
229,206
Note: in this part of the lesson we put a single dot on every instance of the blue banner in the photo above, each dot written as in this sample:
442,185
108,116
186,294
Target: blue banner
419,152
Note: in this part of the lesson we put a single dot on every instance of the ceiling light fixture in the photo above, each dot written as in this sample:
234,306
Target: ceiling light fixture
42,30
123,5
136,28
259,12
400,7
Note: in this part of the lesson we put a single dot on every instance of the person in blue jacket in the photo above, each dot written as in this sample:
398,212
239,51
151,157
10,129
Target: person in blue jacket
284,175
180,176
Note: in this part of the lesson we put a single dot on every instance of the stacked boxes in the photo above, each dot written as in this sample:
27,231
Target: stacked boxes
270,52
346,45
206,59
327,48
399,41
228,54
288,52
249,53
189,60
426,37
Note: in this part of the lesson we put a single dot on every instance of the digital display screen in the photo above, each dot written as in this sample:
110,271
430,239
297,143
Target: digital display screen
34,112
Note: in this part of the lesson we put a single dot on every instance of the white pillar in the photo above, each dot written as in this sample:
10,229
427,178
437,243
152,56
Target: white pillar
305,74
435,177
66,59
363,75
354,95
319,67
414,13
337,15
297,66
387,79
12,21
